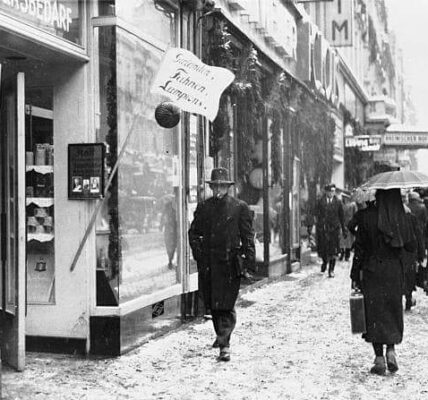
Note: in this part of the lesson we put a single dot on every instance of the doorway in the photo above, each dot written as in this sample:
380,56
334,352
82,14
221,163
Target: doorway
12,222
26,222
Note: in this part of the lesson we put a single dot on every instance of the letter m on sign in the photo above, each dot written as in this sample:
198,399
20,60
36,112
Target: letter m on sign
336,28
339,26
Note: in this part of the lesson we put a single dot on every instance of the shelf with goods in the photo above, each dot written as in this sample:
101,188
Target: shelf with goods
40,206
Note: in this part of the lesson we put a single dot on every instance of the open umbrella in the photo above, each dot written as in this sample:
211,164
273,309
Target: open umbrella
397,180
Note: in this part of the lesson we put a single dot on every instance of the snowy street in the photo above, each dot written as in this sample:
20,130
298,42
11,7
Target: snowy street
292,341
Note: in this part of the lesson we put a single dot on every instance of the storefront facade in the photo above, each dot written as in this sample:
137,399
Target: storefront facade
92,275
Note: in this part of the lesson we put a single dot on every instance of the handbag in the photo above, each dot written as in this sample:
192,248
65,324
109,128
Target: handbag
357,311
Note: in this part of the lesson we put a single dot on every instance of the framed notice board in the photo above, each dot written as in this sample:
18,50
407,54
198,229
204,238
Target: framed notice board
86,171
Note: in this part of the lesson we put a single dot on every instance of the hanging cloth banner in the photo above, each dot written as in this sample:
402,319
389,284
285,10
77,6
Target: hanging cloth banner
189,83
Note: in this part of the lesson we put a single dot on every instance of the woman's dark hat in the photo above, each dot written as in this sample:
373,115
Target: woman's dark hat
220,176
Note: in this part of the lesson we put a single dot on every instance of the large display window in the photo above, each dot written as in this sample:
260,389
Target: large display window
138,239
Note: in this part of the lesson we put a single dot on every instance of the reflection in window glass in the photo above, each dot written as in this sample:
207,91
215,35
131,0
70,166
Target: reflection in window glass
106,7
148,186
158,21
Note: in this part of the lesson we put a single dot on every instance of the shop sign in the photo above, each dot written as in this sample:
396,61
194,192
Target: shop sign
339,24
192,85
86,171
417,139
50,15
364,142
385,155
338,136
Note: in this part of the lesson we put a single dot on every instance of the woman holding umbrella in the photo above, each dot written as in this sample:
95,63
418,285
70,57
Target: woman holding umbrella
384,233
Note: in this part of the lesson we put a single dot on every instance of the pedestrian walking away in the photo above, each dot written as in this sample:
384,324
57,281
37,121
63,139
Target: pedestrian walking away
329,223
221,237
346,240
412,260
384,233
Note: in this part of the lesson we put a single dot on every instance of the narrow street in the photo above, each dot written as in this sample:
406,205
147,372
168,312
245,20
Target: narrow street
292,341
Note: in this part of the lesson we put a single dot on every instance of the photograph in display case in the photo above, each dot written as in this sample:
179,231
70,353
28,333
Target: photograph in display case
86,171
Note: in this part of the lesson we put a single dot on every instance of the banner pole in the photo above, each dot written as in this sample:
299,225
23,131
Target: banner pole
101,202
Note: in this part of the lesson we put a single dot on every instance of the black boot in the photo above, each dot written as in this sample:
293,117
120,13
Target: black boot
347,254
342,254
331,265
323,266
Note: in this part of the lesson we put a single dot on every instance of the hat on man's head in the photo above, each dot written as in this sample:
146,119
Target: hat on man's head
330,186
220,176
414,196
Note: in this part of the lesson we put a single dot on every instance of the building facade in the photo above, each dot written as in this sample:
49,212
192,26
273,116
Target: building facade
97,198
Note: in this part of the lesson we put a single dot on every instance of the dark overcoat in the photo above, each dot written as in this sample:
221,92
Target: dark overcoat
419,211
221,232
382,279
330,221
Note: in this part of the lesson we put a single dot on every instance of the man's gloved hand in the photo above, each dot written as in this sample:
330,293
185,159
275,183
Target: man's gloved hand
356,285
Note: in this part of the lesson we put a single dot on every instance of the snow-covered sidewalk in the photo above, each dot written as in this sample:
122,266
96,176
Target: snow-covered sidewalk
292,341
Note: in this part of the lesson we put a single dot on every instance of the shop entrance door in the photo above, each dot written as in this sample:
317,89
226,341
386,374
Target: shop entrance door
13,237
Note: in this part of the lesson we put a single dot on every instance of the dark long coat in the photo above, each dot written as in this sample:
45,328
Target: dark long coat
330,221
382,280
419,211
220,233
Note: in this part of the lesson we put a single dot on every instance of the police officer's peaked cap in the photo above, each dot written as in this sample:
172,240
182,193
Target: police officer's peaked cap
330,186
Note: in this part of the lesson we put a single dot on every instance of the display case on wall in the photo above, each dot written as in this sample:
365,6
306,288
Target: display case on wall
39,152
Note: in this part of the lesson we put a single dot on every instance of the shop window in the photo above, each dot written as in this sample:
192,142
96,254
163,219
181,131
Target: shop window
138,227
154,18
276,191
148,202
106,8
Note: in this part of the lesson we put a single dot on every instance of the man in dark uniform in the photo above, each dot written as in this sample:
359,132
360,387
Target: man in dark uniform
222,240
330,220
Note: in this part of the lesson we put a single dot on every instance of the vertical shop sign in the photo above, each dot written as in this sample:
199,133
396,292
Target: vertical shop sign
86,171
339,24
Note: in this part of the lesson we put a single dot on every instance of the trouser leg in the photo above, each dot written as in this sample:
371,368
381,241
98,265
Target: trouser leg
347,254
324,265
224,322
331,265
378,349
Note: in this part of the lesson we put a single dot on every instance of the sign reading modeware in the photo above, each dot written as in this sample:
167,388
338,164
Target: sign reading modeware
339,26
417,139
364,142
192,85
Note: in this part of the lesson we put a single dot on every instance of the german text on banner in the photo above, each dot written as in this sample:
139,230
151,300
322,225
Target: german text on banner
189,83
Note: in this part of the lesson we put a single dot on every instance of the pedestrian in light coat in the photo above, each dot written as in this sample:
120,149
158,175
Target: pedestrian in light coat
222,240
329,224
384,233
